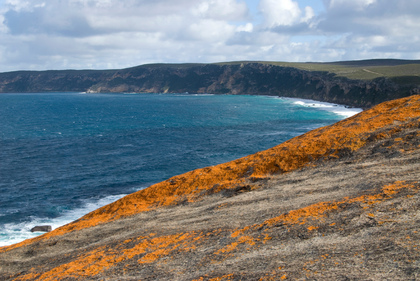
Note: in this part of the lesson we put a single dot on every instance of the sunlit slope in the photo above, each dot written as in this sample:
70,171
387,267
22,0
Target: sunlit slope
337,202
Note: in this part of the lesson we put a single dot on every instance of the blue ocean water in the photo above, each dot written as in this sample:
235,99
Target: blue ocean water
65,154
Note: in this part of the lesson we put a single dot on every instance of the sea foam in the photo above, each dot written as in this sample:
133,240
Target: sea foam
341,110
12,233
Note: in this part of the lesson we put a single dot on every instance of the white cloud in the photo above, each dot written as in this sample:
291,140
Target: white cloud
210,31
50,34
345,4
285,12
309,14
249,27
221,10
373,28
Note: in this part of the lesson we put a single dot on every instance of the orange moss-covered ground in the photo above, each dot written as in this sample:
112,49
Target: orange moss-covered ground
156,249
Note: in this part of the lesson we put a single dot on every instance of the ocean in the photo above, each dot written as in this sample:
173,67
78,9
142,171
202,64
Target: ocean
66,154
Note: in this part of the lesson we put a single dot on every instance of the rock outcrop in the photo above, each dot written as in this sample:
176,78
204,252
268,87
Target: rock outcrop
234,78
337,203
41,228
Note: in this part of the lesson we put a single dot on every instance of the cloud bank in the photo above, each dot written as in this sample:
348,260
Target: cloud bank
102,34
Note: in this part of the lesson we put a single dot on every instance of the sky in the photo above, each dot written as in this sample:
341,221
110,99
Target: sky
112,34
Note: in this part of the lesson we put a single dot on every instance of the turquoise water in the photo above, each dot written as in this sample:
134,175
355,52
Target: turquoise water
65,154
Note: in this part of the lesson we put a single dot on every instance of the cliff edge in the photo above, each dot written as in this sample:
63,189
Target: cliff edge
358,83
340,202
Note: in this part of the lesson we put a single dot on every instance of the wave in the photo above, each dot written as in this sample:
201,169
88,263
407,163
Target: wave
12,233
341,110
191,95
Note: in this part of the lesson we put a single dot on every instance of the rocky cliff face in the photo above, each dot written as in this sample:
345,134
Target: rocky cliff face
235,78
337,203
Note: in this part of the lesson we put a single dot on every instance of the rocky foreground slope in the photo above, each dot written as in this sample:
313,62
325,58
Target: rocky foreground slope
338,203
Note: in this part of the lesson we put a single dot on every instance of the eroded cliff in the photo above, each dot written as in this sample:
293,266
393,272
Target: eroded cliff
229,78
339,202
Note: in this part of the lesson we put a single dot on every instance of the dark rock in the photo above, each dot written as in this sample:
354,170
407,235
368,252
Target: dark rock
41,228
236,78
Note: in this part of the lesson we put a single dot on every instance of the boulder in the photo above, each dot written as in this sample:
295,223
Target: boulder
41,228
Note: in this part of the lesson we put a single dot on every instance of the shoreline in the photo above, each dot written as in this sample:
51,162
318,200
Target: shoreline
22,229
346,110
233,78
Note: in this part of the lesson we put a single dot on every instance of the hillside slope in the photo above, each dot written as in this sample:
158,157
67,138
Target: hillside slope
368,85
340,202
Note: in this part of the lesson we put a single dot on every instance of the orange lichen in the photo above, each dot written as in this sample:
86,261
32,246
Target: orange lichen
224,277
152,248
88,264
241,240
30,276
147,250
319,210
316,212
274,275
267,238
327,142
301,216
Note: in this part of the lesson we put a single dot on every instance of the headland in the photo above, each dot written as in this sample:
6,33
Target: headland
361,84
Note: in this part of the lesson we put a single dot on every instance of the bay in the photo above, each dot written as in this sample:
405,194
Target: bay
65,154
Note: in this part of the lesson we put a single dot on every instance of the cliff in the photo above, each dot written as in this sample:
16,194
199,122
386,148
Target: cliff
253,78
337,203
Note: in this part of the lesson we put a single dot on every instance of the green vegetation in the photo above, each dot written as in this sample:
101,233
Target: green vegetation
360,70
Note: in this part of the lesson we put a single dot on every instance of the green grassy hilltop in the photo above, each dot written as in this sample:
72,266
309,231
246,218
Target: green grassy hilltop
362,69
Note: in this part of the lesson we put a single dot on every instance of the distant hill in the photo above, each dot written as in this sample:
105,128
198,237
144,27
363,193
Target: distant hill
354,83
375,62
337,203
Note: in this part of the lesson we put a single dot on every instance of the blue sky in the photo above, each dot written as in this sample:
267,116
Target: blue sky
103,34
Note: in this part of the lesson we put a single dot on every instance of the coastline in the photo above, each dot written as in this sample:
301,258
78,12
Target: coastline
22,230
223,78
323,201
18,232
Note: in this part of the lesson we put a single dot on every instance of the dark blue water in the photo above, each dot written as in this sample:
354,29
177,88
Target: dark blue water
64,154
